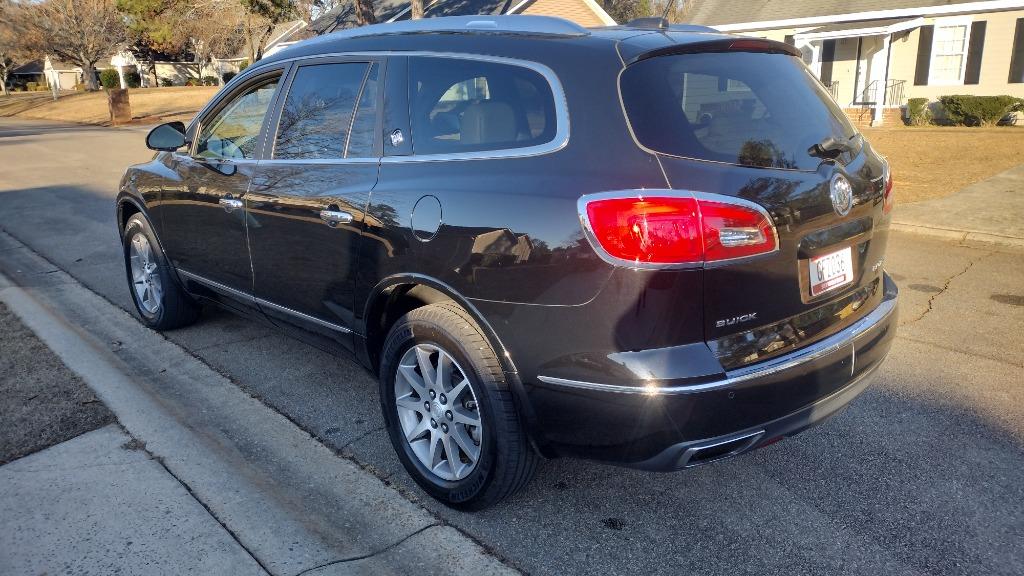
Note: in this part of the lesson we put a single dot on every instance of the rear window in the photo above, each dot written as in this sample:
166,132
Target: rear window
751,109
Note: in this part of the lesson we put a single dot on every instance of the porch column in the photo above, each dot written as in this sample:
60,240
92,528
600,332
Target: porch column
880,100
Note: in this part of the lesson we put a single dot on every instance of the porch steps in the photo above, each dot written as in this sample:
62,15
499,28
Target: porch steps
861,117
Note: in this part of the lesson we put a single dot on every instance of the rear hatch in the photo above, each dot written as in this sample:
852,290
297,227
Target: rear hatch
747,119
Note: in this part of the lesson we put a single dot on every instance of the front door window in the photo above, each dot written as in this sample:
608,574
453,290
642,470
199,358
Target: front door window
233,132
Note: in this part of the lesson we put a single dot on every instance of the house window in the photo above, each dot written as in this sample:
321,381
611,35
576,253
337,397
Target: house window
949,51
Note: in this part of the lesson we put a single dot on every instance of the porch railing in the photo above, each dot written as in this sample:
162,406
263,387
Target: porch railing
873,93
833,88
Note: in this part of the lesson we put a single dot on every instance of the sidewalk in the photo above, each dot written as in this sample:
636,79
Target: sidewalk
207,480
990,211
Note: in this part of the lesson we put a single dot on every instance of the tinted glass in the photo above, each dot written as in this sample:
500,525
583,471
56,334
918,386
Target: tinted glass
469,105
752,109
364,127
317,114
234,131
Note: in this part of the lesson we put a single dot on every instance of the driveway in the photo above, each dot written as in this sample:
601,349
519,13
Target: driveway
924,474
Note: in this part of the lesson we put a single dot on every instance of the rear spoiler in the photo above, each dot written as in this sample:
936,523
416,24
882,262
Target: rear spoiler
733,44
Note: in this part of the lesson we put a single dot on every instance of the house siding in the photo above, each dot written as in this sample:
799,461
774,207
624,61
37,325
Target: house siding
995,60
574,10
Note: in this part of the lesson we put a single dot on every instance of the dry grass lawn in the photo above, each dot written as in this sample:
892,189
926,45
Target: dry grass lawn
171,103
932,162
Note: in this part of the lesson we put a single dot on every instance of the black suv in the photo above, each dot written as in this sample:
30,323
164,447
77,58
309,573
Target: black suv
649,245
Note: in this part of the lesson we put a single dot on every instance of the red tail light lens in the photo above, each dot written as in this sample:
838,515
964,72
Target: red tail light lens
888,200
678,230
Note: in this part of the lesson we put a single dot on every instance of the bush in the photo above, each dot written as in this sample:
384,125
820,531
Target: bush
30,86
132,79
977,110
165,82
918,113
243,65
228,76
210,81
191,82
109,79
41,88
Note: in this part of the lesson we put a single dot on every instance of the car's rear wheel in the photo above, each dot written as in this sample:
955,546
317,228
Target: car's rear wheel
449,410
159,299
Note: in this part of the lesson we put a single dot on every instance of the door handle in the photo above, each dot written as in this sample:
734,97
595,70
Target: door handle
334,217
230,204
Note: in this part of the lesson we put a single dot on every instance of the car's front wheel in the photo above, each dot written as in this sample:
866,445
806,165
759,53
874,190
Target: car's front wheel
161,302
449,410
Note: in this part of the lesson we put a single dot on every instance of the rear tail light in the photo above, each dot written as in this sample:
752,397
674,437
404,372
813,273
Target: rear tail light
888,200
667,230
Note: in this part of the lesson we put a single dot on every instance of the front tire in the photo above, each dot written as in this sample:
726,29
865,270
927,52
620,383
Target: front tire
160,301
449,411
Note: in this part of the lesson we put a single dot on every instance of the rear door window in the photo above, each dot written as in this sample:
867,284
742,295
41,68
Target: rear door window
319,111
751,109
472,105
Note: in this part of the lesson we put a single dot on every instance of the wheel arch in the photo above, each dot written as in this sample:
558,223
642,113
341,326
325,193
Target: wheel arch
396,295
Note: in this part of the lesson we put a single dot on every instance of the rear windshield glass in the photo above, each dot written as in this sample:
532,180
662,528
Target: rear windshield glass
752,109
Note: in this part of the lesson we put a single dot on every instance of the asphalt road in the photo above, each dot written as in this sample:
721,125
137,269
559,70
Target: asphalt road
923,474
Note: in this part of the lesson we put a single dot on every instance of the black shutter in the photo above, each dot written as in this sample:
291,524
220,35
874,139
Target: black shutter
828,56
789,39
974,50
924,55
1017,55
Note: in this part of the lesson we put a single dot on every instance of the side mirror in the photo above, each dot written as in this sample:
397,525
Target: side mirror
166,137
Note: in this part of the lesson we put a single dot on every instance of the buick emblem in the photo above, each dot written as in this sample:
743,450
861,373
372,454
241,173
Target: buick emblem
842,194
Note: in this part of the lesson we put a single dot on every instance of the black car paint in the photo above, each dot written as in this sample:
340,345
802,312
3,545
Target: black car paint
561,312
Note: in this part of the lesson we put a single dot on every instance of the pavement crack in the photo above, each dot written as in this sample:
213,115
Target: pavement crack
159,460
945,287
371,554
360,437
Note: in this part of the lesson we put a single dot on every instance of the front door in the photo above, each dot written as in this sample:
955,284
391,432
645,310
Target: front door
203,217
309,195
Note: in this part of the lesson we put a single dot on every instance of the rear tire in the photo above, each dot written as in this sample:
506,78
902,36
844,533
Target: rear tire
159,299
415,406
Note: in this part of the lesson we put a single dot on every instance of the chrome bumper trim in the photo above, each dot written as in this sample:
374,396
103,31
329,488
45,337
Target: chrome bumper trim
830,345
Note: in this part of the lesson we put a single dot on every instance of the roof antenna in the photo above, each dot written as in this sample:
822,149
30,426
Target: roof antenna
668,8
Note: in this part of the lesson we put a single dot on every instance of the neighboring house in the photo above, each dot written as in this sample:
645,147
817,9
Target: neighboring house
47,72
583,12
875,54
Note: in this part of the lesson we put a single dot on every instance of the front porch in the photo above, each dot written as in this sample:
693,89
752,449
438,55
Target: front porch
853,61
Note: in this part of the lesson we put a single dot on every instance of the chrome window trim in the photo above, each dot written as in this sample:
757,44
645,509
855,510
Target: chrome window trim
217,286
588,231
834,343
562,123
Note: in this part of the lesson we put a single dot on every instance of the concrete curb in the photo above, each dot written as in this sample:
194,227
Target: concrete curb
293,504
959,235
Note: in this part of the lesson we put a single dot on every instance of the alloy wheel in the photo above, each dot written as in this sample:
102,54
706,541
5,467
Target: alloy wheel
145,277
438,412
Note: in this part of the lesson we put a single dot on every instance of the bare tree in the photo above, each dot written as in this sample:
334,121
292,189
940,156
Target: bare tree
13,52
79,31
417,9
213,27
365,12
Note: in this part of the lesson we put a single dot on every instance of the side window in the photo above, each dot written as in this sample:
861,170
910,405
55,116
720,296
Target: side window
234,131
364,127
472,105
318,112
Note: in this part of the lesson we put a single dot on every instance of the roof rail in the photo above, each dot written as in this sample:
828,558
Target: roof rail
505,24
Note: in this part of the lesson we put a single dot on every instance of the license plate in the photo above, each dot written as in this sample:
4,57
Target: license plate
831,271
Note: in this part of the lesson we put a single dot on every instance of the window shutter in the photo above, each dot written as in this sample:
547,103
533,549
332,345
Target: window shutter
1017,54
924,55
828,56
789,39
974,50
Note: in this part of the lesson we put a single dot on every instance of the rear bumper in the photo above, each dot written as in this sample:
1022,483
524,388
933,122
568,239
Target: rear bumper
673,427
